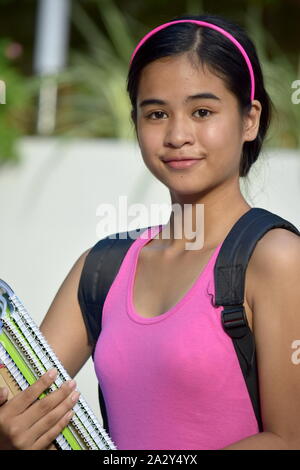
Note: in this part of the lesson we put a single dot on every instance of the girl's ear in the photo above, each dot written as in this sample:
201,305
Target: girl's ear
251,121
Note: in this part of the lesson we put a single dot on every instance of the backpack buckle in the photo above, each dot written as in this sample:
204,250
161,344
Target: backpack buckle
234,321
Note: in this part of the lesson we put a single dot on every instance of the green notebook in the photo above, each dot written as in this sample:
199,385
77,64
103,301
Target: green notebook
25,356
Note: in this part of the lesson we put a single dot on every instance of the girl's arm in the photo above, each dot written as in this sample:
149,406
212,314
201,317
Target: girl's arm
274,283
63,325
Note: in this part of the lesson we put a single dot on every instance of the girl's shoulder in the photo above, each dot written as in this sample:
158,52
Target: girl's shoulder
276,256
278,245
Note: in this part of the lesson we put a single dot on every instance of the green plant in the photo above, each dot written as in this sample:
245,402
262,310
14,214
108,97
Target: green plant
279,74
93,98
16,99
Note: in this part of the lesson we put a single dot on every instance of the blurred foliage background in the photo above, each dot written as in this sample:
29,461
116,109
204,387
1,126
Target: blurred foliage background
92,99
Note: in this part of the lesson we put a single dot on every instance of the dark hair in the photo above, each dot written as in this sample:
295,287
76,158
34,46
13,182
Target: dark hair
221,56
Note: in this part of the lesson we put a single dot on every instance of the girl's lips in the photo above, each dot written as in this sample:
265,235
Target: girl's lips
182,164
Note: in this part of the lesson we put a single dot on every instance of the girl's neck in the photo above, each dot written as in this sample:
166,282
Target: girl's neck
197,227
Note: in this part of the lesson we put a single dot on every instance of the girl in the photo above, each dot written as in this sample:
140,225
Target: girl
168,372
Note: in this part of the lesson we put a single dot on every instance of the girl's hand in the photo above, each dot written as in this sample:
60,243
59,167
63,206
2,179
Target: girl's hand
29,423
3,395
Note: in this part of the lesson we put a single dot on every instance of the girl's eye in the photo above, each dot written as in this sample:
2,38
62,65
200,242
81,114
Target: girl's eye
155,113
203,112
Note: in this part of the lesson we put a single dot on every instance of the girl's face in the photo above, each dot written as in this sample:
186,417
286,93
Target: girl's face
176,123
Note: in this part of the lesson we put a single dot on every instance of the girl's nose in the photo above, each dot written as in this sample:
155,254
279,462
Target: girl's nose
179,132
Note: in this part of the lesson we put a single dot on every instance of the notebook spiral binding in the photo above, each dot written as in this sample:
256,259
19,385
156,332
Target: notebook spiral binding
25,356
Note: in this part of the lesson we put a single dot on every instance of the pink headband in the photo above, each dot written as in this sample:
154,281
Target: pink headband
209,25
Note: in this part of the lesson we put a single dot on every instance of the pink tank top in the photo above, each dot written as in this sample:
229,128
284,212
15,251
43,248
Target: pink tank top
172,381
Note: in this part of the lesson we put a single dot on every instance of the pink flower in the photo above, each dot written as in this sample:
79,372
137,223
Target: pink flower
14,50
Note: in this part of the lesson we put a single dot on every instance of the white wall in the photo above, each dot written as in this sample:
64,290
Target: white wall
49,203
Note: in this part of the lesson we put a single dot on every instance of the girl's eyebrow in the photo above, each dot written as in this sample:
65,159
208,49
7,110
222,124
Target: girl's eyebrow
207,96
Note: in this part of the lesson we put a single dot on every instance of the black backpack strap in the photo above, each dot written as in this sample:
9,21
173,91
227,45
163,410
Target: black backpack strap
229,274
98,273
